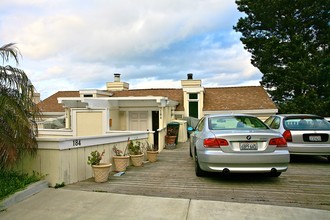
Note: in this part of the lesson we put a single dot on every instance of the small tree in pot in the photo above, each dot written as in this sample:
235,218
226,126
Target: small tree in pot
152,152
101,170
135,149
120,159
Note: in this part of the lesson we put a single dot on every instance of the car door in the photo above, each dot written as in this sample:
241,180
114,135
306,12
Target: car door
196,134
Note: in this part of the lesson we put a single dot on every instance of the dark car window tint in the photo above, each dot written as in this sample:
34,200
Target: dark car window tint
306,124
235,122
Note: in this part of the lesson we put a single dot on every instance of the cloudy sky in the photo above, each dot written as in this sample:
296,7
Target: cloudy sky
80,44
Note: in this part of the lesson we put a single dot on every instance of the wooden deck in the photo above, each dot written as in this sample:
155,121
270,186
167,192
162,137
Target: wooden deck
305,184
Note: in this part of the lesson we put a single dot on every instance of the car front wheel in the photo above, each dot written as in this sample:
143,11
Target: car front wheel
190,151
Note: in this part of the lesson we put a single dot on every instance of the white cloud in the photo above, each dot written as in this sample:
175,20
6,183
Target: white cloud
73,44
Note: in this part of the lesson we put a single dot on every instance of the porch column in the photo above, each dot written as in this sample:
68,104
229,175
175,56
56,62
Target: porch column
67,118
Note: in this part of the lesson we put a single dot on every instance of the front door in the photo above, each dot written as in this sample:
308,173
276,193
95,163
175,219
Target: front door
138,121
155,126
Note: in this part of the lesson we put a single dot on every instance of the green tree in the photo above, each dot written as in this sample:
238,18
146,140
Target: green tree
289,43
18,112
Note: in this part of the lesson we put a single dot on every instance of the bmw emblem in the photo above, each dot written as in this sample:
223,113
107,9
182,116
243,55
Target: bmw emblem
248,137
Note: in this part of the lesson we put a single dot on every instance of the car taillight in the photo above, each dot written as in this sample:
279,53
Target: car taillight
287,135
215,142
279,142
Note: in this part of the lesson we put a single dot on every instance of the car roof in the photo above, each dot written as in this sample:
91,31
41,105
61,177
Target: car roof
226,115
299,115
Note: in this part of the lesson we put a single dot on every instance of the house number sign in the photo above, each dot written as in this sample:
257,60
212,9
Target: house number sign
76,142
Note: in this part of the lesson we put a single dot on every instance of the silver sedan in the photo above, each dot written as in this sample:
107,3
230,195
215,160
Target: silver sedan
237,143
305,134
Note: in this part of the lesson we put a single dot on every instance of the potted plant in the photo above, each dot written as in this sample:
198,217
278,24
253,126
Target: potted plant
135,149
101,170
152,152
120,159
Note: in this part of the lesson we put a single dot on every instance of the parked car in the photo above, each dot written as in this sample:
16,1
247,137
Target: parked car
237,143
305,134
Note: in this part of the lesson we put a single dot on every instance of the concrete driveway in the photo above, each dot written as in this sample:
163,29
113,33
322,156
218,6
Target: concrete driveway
72,204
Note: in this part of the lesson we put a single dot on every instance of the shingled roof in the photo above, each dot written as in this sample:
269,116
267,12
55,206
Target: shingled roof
215,99
51,104
237,98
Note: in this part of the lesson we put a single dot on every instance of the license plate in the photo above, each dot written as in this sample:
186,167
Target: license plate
248,146
315,138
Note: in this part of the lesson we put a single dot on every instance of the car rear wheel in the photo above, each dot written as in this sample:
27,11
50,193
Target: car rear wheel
199,172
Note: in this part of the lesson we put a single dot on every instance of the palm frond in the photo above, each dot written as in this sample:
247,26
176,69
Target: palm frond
18,112
8,51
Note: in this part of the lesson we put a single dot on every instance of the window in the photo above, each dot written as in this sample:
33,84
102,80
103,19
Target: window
269,121
193,96
88,95
200,125
276,123
273,122
235,122
306,124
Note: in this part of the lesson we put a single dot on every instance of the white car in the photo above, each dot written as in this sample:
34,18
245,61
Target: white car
305,134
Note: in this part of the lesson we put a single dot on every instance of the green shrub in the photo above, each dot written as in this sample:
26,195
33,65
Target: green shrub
13,181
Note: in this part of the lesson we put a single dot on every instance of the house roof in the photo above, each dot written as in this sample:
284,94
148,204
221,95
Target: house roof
51,104
215,99
237,98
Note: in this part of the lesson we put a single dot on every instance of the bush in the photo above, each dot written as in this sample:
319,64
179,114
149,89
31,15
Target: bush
13,181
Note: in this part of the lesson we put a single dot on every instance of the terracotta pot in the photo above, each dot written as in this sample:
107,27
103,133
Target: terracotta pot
121,163
137,160
170,139
101,172
152,156
170,142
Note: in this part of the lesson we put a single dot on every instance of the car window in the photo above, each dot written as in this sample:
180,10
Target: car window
275,124
200,125
269,120
235,122
306,124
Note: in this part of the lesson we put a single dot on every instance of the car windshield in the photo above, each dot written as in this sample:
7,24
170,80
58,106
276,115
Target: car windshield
235,122
306,124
